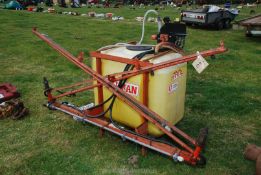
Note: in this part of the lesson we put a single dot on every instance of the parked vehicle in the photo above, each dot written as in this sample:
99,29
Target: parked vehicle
252,25
209,15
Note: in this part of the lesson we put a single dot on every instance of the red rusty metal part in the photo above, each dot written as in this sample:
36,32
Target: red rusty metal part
7,92
120,59
99,71
157,146
183,59
73,85
76,91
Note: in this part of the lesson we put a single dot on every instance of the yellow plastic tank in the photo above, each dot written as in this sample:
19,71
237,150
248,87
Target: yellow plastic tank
166,90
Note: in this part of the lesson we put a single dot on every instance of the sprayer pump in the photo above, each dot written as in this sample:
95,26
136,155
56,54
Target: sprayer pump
172,32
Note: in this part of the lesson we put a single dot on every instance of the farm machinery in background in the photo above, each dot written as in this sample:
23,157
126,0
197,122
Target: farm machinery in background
209,15
139,91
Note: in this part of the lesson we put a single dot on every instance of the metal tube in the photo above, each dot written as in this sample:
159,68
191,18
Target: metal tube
110,130
165,64
73,85
76,91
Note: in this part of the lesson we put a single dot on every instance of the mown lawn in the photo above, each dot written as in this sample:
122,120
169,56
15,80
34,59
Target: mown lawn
225,97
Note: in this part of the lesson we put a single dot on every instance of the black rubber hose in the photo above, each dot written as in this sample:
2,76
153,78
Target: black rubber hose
120,85
132,132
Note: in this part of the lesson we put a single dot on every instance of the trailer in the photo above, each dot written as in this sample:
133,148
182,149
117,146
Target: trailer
209,15
252,25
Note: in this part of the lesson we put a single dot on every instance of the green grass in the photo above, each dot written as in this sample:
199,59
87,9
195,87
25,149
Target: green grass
225,97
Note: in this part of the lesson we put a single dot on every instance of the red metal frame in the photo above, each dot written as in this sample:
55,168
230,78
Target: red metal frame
190,155
120,59
99,71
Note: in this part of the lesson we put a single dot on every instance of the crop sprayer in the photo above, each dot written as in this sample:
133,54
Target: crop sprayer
139,91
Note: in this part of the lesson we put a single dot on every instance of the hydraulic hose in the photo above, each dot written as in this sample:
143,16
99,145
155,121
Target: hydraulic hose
144,20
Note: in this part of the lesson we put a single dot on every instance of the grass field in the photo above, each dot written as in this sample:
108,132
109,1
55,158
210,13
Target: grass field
225,97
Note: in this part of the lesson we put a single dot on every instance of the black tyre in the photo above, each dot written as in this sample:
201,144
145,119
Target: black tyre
227,24
202,161
220,25
248,34
201,140
188,24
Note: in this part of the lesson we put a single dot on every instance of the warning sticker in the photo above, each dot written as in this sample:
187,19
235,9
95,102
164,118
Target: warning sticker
173,87
178,73
131,89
